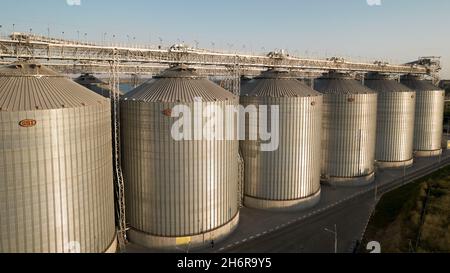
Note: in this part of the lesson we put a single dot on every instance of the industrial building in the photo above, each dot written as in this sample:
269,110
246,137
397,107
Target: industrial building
349,130
177,192
429,116
56,186
395,121
60,170
288,178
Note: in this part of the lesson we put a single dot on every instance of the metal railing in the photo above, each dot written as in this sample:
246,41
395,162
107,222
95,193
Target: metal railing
74,54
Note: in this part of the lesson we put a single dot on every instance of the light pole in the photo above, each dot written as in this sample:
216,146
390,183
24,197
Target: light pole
404,172
335,237
376,191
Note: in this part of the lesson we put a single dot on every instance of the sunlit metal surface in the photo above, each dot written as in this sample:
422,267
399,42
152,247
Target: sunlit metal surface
395,120
56,186
349,128
176,188
291,172
429,114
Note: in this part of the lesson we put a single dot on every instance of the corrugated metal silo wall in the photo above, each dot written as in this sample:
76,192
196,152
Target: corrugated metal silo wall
56,180
293,171
175,188
349,134
429,120
395,126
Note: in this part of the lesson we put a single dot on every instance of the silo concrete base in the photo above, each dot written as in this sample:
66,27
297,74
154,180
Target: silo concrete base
288,205
174,243
428,153
113,247
350,181
392,165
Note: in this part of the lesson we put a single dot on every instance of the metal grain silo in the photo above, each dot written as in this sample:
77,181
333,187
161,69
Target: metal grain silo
395,121
56,184
288,177
178,192
349,130
428,128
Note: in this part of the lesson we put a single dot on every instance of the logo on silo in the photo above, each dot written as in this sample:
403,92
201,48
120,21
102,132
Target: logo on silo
72,247
374,2
27,123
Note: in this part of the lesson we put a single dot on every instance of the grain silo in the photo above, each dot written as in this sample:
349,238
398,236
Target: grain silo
179,192
289,176
395,121
56,186
349,130
428,128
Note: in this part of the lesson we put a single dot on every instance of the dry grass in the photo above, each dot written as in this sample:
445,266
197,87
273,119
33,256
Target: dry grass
398,221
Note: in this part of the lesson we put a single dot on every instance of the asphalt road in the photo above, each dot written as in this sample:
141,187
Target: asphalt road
351,217
349,208
309,236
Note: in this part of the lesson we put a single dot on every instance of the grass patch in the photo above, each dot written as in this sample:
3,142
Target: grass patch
414,218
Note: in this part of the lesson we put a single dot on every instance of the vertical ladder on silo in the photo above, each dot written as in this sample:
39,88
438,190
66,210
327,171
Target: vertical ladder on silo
118,175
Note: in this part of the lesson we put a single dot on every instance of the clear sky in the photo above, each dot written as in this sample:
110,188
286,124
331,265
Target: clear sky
396,31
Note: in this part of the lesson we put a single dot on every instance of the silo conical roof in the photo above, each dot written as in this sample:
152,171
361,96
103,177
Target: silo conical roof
418,84
340,83
385,83
179,84
26,86
277,83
